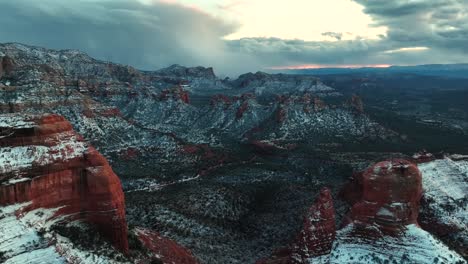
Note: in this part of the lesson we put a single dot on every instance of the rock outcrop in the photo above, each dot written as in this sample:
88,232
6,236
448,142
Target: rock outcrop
163,249
317,236
382,224
175,93
6,65
381,227
186,72
386,195
46,164
264,84
356,103
319,231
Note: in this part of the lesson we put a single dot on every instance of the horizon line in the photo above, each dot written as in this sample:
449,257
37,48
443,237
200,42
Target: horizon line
330,66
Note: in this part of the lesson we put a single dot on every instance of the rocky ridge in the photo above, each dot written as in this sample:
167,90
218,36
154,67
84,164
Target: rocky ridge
155,114
223,167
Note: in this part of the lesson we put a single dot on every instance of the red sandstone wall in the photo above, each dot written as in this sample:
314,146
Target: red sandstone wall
85,186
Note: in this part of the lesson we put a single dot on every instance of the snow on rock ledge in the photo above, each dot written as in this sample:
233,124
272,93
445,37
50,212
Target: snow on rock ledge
44,163
444,208
382,225
413,245
27,238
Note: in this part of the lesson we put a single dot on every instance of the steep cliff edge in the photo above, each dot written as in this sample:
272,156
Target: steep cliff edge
47,165
381,226
316,237
60,201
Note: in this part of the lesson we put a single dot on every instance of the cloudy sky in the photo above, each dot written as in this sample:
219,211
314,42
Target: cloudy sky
237,36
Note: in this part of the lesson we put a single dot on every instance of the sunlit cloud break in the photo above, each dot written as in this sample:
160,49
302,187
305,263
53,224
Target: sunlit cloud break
322,66
408,49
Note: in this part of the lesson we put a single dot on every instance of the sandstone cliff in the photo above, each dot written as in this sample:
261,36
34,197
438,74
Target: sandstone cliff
45,163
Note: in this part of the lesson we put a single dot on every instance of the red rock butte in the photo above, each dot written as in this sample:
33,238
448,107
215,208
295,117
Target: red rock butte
47,165
386,195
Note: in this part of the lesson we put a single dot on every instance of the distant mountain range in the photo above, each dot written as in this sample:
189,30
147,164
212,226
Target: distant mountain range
442,70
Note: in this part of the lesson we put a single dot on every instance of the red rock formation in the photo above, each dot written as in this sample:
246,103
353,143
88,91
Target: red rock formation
281,114
382,222
176,93
1,68
316,237
220,98
165,249
204,152
241,110
283,99
184,96
386,195
306,98
319,105
6,66
59,170
111,112
264,147
356,104
129,153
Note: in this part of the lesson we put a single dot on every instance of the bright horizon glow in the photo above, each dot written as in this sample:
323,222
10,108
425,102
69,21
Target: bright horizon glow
328,66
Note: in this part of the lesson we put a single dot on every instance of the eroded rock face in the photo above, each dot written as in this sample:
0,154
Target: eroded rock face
357,104
317,236
46,164
386,195
316,239
6,66
163,249
381,226
195,72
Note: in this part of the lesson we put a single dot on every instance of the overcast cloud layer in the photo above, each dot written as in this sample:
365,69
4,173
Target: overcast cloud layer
160,34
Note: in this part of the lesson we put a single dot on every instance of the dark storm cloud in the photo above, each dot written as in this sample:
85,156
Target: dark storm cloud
126,31
438,24
277,52
160,34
